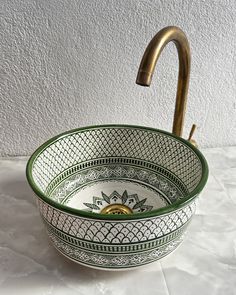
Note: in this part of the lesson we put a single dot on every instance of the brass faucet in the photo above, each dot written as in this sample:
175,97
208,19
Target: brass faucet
148,63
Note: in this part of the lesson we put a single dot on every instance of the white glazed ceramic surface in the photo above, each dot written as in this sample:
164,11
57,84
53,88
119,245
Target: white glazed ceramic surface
151,173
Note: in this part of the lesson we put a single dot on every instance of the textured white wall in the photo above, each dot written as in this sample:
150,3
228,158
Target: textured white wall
66,64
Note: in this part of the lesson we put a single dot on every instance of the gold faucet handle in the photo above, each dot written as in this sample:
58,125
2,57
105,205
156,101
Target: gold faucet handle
193,142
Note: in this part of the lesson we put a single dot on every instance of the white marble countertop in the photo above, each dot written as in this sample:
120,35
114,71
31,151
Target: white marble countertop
205,263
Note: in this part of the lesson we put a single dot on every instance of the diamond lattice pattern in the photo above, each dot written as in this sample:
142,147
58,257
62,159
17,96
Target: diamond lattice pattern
152,146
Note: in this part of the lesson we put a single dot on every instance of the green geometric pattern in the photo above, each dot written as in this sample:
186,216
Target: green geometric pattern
114,260
116,232
147,163
169,186
122,142
114,248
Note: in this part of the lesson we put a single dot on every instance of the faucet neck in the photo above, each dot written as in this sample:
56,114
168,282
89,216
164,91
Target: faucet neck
148,63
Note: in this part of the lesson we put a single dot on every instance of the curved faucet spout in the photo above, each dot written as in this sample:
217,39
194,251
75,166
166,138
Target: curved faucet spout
148,64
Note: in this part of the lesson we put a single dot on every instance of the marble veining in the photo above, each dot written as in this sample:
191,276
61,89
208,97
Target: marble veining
205,263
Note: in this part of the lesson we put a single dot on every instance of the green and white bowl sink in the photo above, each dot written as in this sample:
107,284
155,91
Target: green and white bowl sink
116,196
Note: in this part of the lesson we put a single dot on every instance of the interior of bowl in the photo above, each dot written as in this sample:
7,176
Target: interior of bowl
116,169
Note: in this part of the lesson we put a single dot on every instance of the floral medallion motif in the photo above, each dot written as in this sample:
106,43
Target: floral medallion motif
132,201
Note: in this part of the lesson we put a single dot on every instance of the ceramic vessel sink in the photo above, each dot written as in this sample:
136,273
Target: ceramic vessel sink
116,196
119,196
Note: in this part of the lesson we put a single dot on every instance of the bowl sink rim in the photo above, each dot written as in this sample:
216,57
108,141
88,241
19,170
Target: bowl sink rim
154,213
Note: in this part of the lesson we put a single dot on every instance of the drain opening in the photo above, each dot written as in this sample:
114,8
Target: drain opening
116,209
